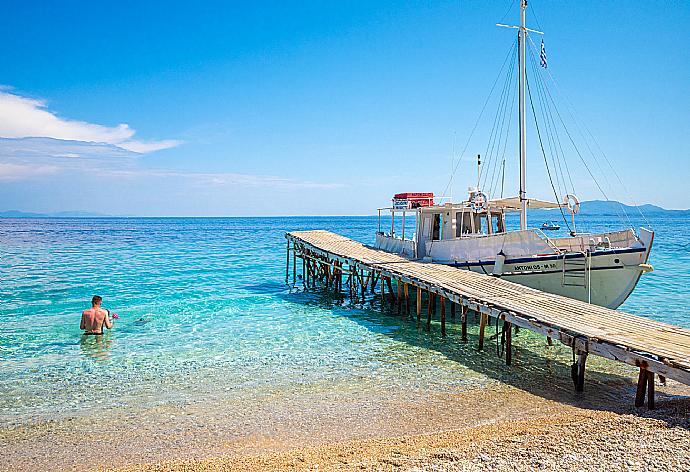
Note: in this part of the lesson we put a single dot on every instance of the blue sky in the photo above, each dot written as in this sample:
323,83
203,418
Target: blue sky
248,108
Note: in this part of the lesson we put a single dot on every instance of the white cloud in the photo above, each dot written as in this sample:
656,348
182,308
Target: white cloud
22,117
219,179
11,172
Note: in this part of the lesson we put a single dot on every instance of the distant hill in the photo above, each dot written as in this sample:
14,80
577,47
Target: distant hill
602,207
60,214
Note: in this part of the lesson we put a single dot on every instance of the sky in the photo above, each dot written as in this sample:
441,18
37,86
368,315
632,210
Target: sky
329,108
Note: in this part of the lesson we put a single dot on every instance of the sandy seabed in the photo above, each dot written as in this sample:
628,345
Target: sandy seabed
494,427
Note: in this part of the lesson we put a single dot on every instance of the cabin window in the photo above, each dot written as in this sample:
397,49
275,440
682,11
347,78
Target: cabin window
486,224
436,231
497,223
463,223
426,231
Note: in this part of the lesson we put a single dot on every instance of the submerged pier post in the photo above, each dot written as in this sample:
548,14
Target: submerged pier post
287,261
482,325
463,321
399,289
429,309
383,292
442,301
419,305
407,299
452,310
390,291
294,265
507,329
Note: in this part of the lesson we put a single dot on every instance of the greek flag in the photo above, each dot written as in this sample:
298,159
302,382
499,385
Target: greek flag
542,55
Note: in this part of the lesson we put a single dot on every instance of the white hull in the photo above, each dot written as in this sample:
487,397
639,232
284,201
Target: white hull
606,279
602,276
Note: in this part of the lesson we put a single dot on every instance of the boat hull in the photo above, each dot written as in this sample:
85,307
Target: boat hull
604,278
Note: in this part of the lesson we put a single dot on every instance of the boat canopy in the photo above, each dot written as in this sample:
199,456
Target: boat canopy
513,203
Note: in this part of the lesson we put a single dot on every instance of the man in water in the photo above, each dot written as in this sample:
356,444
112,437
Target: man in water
93,319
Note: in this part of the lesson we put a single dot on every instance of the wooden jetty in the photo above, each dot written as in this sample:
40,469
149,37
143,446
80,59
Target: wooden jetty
336,261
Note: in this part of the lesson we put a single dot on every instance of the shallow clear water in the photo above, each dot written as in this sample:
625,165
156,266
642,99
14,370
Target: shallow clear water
205,313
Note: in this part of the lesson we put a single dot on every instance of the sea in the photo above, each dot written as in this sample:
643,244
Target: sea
205,312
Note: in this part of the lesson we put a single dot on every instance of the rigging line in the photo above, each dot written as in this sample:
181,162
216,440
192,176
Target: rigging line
503,176
534,14
584,162
558,137
494,128
494,183
510,5
457,164
496,138
504,129
552,131
547,131
579,123
541,144
560,181
500,119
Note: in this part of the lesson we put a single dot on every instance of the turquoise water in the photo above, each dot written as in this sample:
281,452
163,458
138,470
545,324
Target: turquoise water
205,312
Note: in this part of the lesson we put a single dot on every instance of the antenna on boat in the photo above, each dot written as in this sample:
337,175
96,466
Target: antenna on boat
479,169
522,40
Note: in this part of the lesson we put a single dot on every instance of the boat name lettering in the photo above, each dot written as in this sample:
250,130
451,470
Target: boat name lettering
532,267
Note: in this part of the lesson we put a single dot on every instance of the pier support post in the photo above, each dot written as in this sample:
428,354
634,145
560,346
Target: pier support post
419,305
391,295
650,390
452,310
549,341
340,276
398,286
383,292
463,321
580,377
641,387
431,301
645,384
482,325
442,301
406,290
507,329
294,265
287,261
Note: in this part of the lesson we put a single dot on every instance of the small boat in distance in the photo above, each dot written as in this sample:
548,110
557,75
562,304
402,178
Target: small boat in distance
550,226
601,268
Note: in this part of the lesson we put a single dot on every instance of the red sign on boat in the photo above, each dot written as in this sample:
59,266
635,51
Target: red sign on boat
413,200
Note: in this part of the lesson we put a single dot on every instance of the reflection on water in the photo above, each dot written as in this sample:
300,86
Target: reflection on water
95,346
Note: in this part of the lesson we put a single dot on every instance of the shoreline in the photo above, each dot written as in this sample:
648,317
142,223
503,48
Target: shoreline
575,440
415,430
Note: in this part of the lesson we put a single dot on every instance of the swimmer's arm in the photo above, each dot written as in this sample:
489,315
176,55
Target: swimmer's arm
107,321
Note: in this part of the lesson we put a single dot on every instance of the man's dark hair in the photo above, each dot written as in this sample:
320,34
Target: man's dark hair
96,300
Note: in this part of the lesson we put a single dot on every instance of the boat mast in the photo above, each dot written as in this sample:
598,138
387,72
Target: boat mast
522,39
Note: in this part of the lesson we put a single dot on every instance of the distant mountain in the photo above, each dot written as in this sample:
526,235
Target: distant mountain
602,207
60,214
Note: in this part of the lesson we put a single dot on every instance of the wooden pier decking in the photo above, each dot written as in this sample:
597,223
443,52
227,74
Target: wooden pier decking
652,346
